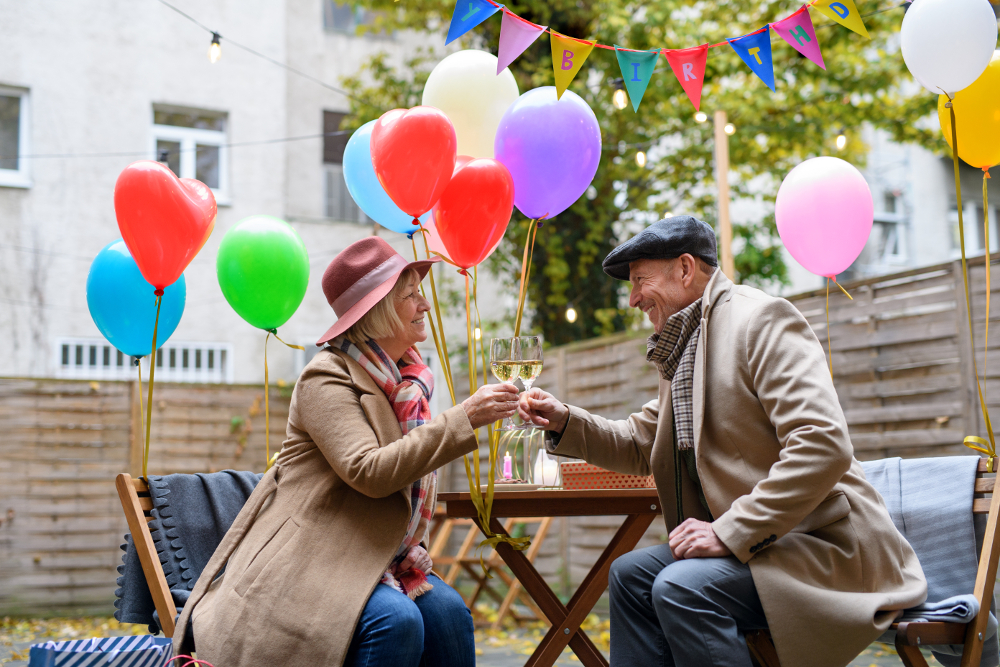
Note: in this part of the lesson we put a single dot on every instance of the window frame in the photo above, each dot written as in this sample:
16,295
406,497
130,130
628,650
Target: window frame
20,177
189,138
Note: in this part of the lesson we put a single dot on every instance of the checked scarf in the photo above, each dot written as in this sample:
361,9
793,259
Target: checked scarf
408,387
673,351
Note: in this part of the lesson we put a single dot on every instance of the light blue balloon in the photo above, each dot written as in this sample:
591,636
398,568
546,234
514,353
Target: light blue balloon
123,304
365,188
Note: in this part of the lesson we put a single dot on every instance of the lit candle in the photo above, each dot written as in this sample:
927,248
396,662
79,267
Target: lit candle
507,474
546,470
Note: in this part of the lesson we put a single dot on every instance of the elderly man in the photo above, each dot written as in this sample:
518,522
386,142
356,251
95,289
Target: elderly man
771,521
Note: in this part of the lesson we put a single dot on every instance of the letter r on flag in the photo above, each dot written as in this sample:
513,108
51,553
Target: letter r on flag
567,61
688,69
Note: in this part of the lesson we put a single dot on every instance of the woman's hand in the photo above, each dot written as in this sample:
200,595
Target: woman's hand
491,403
416,559
541,408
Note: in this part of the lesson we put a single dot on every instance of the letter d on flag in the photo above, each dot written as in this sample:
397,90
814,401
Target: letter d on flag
843,12
568,56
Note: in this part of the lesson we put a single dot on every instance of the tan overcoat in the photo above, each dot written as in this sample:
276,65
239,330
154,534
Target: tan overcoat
314,539
778,471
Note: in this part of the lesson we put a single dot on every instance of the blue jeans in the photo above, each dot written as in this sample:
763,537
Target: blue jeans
435,630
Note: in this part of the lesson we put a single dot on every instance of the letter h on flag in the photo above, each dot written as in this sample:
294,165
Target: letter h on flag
755,50
798,31
468,14
689,68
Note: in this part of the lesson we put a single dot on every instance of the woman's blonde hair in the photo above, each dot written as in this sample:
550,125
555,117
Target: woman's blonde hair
382,321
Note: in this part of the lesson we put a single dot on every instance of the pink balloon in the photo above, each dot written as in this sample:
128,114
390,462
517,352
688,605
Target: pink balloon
824,214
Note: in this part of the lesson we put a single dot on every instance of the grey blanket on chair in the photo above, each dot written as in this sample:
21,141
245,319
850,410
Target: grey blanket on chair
930,502
191,514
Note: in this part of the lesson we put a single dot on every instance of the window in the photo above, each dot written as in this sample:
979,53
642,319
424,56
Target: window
193,144
975,235
343,17
338,202
14,138
96,359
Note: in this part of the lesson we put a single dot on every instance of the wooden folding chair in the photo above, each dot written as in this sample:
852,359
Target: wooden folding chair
911,636
137,504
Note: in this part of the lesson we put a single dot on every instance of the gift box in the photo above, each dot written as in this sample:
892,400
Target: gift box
581,475
134,651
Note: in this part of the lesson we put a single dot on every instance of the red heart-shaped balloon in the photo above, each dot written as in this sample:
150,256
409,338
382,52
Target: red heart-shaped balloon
473,212
163,219
413,152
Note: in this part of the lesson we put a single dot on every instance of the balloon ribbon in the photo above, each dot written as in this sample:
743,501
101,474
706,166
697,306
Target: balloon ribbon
829,349
522,293
440,345
267,390
973,441
152,373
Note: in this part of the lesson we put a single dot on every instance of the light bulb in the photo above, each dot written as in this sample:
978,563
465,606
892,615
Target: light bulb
479,333
730,128
640,159
700,117
570,314
620,99
841,142
215,50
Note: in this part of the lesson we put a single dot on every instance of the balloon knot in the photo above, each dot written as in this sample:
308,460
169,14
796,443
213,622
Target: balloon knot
540,224
463,272
158,292
273,332
136,361
986,172
409,236
947,105
416,221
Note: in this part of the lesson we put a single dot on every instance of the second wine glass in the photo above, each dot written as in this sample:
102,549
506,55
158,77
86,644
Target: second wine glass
528,355
505,368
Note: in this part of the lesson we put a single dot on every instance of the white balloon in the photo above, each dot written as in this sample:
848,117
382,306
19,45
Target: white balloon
947,44
467,88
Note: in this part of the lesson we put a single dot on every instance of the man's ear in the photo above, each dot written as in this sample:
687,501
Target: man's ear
689,266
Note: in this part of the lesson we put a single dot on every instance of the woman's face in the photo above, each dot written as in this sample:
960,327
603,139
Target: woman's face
411,308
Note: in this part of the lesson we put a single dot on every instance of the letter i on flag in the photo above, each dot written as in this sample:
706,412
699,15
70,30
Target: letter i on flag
516,35
468,14
637,69
845,13
689,68
568,56
755,50
798,31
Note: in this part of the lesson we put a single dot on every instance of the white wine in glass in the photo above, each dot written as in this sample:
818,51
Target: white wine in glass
505,368
528,352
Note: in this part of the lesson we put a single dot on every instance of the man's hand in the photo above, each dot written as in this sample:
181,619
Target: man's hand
696,539
416,559
542,409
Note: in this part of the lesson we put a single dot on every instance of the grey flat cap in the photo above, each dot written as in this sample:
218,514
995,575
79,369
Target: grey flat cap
665,239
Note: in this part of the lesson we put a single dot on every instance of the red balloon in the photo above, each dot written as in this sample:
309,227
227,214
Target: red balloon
413,152
163,219
473,212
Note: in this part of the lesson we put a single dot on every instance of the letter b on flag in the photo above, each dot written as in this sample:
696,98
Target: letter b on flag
567,59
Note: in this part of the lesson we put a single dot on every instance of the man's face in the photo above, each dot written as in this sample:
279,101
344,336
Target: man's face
658,289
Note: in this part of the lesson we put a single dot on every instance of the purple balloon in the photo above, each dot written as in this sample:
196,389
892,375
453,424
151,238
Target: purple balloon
551,147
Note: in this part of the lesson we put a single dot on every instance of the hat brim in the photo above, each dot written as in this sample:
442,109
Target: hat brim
368,301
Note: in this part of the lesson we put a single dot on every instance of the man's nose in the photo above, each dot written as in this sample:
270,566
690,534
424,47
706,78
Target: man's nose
633,298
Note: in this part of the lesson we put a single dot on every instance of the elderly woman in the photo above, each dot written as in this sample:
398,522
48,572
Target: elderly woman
326,565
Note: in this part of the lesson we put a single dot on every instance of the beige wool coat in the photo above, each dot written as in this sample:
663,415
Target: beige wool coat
322,526
777,468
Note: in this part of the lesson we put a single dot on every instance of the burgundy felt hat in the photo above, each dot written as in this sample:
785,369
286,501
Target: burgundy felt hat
359,277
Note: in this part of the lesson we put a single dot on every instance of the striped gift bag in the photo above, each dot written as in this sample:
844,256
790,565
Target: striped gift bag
134,651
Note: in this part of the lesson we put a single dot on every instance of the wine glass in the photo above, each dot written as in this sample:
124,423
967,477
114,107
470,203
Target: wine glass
528,354
505,368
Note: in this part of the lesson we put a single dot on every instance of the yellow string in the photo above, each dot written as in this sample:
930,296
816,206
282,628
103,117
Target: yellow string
268,459
829,348
152,373
986,236
138,364
522,295
834,278
442,350
991,445
445,359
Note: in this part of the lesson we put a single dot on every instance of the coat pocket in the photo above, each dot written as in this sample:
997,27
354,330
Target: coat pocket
265,555
834,508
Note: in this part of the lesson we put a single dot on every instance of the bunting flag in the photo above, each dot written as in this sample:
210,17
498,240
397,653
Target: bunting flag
798,31
568,56
755,50
843,12
516,35
637,69
468,14
689,68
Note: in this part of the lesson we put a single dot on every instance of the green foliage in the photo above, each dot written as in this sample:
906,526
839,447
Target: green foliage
774,131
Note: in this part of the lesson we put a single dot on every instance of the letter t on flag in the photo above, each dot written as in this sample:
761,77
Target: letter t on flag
755,50
798,31
516,35
568,56
468,14
637,69
689,68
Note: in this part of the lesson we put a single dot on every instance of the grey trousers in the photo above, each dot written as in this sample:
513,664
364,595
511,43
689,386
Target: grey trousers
686,613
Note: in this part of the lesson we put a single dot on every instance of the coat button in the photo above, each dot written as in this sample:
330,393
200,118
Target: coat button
753,549
773,538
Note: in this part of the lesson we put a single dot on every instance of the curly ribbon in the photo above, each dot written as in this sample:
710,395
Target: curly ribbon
267,408
972,441
152,373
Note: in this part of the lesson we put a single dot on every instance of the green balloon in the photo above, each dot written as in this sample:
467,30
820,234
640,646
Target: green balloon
263,270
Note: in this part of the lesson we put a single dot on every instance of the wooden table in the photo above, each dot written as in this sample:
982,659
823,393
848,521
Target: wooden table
640,507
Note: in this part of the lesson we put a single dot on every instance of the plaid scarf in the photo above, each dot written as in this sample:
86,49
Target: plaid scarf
408,387
673,351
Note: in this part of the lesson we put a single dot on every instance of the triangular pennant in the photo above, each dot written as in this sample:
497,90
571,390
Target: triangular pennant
843,12
755,50
468,14
689,68
568,56
516,35
798,31
637,69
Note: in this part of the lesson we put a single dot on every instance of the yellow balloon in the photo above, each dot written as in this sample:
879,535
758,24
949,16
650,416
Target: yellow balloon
467,88
977,114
